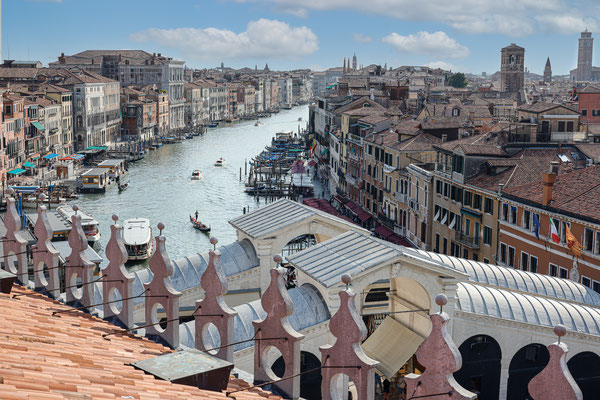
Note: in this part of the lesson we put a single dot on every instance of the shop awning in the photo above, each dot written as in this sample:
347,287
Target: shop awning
312,163
351,206
50,156
17,171
383,231
97,148
392,344
339,199
29,164
38,126
362,214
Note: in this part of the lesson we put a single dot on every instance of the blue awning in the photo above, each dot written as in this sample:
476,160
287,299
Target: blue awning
29,164
50,156
16,171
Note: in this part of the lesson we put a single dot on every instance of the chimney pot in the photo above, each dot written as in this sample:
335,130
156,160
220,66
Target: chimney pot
554,167
444,138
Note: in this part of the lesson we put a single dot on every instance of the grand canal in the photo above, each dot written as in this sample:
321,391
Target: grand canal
161,189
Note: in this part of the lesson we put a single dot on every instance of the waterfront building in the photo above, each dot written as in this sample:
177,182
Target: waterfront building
65,98
160,98
135,67
193,105
34,130
249,100
218,102
50,119
97,108
13,131
139,115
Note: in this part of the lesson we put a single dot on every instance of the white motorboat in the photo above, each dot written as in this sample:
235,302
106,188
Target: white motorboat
220,162
33,201
137,237
197,175
88,223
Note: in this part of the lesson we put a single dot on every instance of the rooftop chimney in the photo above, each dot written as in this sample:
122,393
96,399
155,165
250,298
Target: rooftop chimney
548,179
554,167
444,138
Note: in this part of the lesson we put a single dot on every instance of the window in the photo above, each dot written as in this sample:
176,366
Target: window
438,187
527,219
596,286
584,112
557,225
475,257
564,273
597,244
588,239
487,235
585,281
569,126
513,215
489,205
511,256
485,260
504,212
563,231
477,201
561,126
533,263
437,242
457,164
553,270
445,246
524,261
502,253
467,198
466,254
446,189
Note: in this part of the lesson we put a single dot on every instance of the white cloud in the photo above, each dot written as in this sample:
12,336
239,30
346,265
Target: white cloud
509,17
434,44
441,64
360,38
567,24
262,38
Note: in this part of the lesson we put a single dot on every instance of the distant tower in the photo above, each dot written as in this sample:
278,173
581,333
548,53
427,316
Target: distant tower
584,57
354,62
344,64
548,71
512,68
222,66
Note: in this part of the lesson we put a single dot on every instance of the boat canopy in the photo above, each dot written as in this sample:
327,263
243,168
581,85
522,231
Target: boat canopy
137,231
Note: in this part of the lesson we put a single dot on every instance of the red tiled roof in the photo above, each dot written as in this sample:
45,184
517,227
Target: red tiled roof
576,192
50,357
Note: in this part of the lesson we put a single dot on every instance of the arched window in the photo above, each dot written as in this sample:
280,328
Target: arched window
585,368
480,372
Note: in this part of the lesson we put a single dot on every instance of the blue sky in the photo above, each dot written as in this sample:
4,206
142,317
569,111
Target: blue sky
465,35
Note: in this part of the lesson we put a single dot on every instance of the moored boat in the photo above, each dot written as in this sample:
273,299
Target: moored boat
123,186
88,223
213,125
137,238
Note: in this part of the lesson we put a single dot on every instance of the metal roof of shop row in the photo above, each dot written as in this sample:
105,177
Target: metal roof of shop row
277,216
527,308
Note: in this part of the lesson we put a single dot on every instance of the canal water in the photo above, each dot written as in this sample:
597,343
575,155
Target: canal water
161,188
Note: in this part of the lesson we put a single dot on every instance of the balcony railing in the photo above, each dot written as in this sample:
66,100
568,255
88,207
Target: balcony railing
351,180
469,241
386,220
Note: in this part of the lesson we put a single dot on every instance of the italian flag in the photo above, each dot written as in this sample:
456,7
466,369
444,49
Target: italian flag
554,232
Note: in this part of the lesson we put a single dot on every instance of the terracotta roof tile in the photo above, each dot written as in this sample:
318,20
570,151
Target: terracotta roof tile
49,357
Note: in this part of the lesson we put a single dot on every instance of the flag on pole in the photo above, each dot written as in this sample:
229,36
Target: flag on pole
573,243
554,232
536,225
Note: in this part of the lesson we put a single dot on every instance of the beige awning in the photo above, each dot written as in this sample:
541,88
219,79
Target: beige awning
392,344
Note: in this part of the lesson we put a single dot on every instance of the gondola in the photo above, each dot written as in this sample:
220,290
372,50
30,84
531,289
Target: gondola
199,225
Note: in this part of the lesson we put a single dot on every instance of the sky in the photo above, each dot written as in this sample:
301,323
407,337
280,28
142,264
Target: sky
461,35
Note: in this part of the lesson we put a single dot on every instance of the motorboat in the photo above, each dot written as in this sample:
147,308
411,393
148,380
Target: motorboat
258,123
137,238
88,223
199,225
123,186
33,201
299,118
220,162
213,125
189,135
197,175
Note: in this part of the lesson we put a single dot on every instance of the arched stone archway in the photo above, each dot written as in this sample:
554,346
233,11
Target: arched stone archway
585,368
310,383
529,361
481,366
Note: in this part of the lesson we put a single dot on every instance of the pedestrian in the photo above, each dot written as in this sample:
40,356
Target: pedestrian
378,384
196,215
400,386
386,389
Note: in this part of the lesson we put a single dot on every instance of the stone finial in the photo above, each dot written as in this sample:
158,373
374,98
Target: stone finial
164,295
346,356
78,268
44,254
555,381
117,279
275,326
13,243
213,309
441,358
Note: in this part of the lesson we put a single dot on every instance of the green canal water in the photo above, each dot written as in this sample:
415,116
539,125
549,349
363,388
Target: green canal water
161,188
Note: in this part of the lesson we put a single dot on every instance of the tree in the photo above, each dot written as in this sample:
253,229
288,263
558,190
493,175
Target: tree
458,80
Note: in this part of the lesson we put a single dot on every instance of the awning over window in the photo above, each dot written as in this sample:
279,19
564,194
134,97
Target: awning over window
362,214
38,126
29,164
50,156
392,344
16,171
383,231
